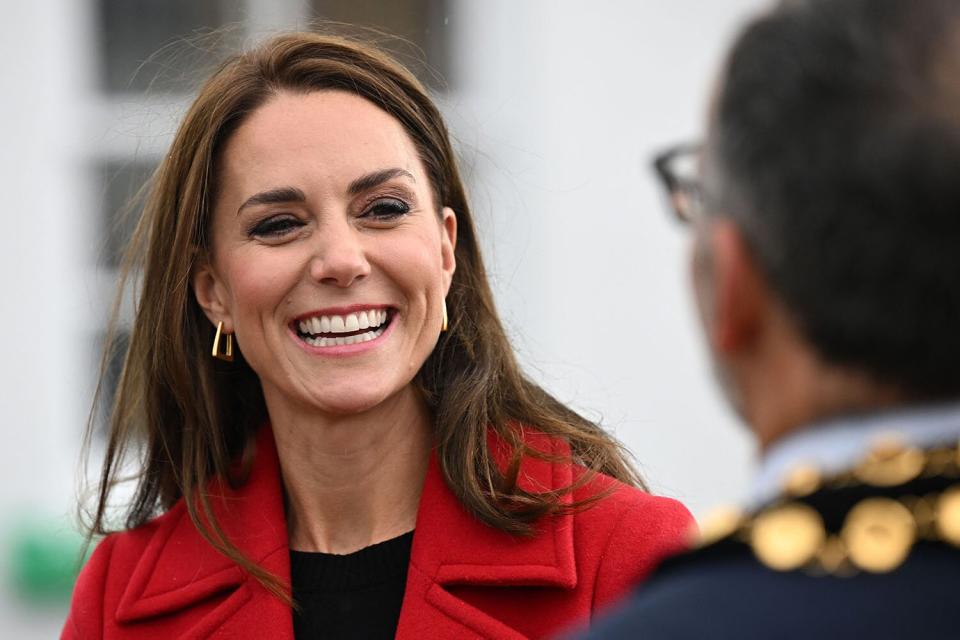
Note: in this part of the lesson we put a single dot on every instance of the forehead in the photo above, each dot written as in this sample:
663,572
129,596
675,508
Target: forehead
320,136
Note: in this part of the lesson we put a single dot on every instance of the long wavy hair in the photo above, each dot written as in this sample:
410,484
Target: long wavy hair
189,417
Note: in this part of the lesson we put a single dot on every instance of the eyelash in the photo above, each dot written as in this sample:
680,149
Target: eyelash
382,210
275,226
386,209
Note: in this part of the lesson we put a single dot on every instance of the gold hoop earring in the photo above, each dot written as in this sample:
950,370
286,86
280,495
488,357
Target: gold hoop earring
443,327
227,353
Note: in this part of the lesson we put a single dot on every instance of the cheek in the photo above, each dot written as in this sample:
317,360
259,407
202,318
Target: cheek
259,281
415,266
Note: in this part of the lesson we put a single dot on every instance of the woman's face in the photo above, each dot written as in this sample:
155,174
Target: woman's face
329,261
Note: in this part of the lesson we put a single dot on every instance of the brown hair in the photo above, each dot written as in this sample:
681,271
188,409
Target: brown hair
190,416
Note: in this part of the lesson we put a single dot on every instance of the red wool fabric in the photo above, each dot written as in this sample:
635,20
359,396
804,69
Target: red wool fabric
466,580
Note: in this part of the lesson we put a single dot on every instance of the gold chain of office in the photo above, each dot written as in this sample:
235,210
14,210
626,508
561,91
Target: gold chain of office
877,533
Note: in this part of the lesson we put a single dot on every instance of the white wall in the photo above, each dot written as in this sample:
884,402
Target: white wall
40,254
562,105
43,344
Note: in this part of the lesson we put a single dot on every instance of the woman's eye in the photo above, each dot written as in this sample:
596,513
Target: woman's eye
386,209
275,227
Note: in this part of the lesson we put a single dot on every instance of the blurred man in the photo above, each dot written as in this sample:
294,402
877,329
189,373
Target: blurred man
825,207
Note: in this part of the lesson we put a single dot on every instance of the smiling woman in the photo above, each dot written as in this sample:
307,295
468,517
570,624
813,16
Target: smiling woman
362,444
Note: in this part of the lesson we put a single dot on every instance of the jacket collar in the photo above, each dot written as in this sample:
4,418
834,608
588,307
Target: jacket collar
179,569
455,548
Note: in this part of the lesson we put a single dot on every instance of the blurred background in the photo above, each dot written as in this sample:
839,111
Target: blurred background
556,107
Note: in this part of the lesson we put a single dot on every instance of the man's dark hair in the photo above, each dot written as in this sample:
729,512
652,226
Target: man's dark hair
835,146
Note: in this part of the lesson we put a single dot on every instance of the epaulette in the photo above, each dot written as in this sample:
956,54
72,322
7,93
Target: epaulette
895,497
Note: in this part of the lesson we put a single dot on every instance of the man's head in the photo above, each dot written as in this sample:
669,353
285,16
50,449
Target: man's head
828,256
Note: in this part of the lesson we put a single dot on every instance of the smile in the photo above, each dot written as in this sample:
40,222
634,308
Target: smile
339,330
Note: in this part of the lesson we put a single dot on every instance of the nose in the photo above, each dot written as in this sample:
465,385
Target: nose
339,258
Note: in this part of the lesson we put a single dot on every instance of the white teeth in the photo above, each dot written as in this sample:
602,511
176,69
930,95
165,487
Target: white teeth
371,319
337,341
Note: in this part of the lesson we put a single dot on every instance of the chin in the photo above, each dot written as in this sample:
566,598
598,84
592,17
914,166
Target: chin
348,401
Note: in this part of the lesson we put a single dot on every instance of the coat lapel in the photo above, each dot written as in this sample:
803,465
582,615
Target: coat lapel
452,548
180,571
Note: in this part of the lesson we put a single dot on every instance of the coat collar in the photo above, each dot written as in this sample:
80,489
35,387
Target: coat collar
455,548
451,548
179,569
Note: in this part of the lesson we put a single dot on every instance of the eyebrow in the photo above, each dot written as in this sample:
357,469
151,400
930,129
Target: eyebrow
371,180
282,195
274,196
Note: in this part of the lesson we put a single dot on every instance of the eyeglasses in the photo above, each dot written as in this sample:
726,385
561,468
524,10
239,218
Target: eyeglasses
679,171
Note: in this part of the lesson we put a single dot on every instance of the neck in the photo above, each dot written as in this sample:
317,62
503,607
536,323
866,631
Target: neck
352,480
788,396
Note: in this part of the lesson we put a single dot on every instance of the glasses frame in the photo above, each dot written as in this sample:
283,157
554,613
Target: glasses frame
684,195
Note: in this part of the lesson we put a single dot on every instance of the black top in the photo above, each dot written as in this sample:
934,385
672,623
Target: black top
357,595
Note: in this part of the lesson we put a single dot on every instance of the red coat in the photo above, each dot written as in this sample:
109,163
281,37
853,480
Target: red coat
465,580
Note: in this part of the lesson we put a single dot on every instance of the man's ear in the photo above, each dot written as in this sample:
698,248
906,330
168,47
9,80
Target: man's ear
740,297
448,245
211,294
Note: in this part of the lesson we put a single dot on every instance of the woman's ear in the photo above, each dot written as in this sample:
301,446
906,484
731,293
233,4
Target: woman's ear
211,294
448,245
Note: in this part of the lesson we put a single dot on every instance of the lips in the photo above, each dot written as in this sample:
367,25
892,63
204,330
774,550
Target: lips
332,330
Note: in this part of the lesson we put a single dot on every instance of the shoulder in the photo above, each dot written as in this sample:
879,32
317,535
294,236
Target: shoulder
626,511
684,583
625,533
120,551
107,572
620,532
117,551
838,551
609,508
920,599
729,591
86,608
610,501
